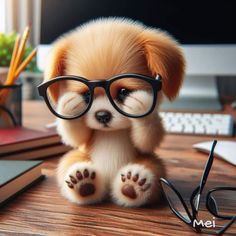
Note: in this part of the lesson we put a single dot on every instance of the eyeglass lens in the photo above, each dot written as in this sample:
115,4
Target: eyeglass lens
132,95
68,98
175,202
223,202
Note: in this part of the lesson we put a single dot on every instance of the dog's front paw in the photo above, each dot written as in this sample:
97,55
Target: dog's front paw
83,184
138,102
71,104
133,186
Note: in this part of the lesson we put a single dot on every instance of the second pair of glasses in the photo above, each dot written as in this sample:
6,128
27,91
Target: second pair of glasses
220,202
134,87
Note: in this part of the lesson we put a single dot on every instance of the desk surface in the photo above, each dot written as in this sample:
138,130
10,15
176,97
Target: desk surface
42,210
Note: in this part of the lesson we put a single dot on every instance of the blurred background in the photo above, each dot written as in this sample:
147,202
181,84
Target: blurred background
205,29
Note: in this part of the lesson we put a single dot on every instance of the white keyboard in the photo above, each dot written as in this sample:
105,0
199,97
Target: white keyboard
197,123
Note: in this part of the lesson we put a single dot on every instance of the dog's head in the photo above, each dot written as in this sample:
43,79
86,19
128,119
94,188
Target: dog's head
102,49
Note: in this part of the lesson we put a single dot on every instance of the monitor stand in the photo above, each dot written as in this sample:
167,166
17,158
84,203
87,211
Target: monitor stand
198,93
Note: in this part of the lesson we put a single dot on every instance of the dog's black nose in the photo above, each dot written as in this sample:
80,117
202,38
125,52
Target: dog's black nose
103,116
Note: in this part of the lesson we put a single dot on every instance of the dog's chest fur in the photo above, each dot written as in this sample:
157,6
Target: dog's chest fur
111,151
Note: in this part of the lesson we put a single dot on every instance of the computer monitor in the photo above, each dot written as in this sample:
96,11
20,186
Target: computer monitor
205,29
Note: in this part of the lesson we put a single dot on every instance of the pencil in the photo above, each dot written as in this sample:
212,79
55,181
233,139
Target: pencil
13,58
20,52
25,63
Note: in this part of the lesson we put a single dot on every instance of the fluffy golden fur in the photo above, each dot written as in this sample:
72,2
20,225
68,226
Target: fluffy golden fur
117,160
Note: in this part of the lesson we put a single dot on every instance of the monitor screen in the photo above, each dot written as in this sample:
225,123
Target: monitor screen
191,22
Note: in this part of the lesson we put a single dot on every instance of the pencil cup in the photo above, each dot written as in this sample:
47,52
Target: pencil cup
10,105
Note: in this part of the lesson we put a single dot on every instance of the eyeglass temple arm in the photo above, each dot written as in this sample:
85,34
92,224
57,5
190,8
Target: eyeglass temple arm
199,189
194,208
222,231
207,167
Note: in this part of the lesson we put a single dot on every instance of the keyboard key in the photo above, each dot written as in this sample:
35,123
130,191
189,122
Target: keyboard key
199,130
188,115
176,128
223,132
189,129
198,116
211,130
207,116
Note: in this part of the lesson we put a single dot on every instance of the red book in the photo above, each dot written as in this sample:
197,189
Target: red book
20,138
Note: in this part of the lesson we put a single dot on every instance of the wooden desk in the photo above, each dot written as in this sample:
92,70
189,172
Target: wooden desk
42,210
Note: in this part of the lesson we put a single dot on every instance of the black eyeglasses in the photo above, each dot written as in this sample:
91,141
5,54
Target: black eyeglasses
120,90
214,201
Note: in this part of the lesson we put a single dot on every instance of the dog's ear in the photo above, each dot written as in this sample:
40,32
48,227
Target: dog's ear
164,57
55,65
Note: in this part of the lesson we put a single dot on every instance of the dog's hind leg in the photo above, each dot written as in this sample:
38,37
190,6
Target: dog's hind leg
79,180
137,183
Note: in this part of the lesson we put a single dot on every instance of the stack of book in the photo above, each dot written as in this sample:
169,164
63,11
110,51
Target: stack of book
16,176
24,144
19,145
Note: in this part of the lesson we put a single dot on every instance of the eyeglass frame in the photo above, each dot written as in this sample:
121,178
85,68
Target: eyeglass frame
196,191
208,197
156,84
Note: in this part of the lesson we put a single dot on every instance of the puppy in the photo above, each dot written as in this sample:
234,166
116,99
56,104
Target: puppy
115,159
